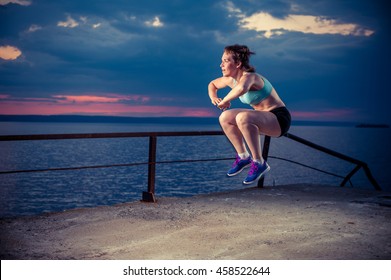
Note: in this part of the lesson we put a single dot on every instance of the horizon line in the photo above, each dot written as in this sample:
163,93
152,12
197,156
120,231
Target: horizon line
124,119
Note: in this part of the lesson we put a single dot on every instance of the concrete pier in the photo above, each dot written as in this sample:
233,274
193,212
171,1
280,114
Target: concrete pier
277,223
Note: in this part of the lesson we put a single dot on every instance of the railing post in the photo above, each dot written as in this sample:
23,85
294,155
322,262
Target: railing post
265,154
370,177
149,196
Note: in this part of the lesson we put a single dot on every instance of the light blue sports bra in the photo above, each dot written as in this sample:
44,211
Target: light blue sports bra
256,96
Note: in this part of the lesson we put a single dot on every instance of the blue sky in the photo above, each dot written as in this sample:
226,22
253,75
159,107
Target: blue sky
327,59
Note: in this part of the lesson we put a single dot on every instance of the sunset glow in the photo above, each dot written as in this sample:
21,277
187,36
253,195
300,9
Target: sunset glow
97,105
100,99
329,114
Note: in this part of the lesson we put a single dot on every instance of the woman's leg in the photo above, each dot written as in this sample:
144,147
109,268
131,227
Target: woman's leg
253,123
228,124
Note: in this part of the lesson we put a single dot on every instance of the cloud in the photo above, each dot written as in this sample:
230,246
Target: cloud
19,2
233,11
9,52
34,28
155,22
271,26
83,21
69,23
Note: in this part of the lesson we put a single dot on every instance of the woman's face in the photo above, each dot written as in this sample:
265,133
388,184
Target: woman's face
228,66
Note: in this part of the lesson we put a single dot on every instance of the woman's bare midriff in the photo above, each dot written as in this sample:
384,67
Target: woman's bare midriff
269,103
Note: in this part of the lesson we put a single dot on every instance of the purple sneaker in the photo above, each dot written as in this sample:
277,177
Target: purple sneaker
256,172
238,166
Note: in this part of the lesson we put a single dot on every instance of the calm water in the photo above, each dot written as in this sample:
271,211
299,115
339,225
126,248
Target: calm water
34,193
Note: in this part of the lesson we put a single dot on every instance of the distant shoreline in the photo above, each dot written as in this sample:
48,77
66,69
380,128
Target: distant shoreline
370,125
144,120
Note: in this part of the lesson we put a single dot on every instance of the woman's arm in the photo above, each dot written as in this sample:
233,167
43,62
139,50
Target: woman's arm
241,88
214,86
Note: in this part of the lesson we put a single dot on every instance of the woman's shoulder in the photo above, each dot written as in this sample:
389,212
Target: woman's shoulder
252,76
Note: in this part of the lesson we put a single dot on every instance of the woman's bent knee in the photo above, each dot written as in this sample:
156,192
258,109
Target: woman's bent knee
242,118
226,117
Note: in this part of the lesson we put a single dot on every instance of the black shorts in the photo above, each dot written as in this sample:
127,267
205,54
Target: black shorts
284,118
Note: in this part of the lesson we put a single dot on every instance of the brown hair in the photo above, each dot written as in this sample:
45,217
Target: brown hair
241,53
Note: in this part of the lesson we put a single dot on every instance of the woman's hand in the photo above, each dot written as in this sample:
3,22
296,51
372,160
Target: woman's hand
215,100
224,105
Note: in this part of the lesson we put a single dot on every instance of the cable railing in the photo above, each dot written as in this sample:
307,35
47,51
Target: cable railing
149,195
359,164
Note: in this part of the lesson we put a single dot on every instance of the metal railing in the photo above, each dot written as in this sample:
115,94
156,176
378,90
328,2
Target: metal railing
359,164
149,195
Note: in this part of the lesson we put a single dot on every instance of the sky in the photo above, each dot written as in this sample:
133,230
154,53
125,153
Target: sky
328,59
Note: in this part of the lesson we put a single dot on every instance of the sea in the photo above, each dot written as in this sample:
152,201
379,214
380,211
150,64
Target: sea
35,193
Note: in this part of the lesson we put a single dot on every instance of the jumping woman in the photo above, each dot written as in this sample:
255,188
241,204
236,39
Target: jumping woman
269,115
